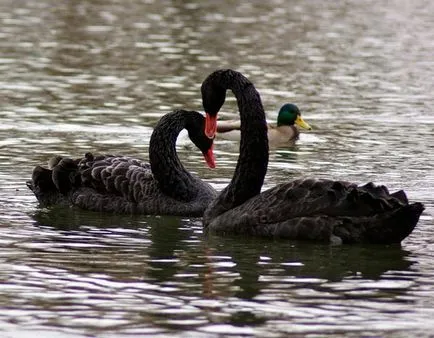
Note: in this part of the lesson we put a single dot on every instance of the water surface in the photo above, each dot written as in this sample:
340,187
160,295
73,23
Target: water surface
96,76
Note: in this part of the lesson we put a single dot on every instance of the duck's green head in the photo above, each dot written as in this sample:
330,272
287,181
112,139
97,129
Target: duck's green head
290,114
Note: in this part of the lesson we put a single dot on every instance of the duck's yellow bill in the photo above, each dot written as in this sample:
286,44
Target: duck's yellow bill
301,123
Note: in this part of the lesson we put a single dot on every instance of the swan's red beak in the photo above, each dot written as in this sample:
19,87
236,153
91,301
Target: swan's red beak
210,125
209,157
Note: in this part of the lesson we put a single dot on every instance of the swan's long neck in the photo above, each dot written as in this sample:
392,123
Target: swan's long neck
173,179
253,160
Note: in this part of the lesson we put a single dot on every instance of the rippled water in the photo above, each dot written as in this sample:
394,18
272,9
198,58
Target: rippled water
96,75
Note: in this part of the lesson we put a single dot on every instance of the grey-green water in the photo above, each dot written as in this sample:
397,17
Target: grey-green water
78,76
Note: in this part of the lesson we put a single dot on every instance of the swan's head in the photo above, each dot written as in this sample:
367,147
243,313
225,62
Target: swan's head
213,98
197,135
289,115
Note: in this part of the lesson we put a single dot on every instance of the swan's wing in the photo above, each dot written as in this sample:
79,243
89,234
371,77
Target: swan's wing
117,175
311,197
323,210
105,175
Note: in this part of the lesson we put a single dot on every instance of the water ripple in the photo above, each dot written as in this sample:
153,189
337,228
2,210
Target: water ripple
86,76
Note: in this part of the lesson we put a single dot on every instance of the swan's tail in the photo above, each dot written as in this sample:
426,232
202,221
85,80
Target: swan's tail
51,186
398,226
390,227
43,186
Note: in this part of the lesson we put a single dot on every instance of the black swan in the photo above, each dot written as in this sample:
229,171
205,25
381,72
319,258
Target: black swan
284,132
121,184
307,209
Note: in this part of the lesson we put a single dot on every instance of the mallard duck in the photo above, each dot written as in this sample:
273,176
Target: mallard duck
126,185
285,131
307,209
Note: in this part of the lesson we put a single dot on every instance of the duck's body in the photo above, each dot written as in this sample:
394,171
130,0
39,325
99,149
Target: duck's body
283,132
122,184
307,209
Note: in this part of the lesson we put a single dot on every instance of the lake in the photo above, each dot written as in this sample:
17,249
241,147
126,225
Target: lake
79,76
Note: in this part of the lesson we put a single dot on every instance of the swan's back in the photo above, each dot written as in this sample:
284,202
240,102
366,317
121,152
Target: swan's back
323,210
112,183
90,181
117,175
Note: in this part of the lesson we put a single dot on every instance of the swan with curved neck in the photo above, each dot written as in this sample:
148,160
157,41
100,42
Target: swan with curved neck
306,209
122,184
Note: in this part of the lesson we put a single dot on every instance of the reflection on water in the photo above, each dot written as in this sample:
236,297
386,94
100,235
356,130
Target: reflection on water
160,274
95,76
